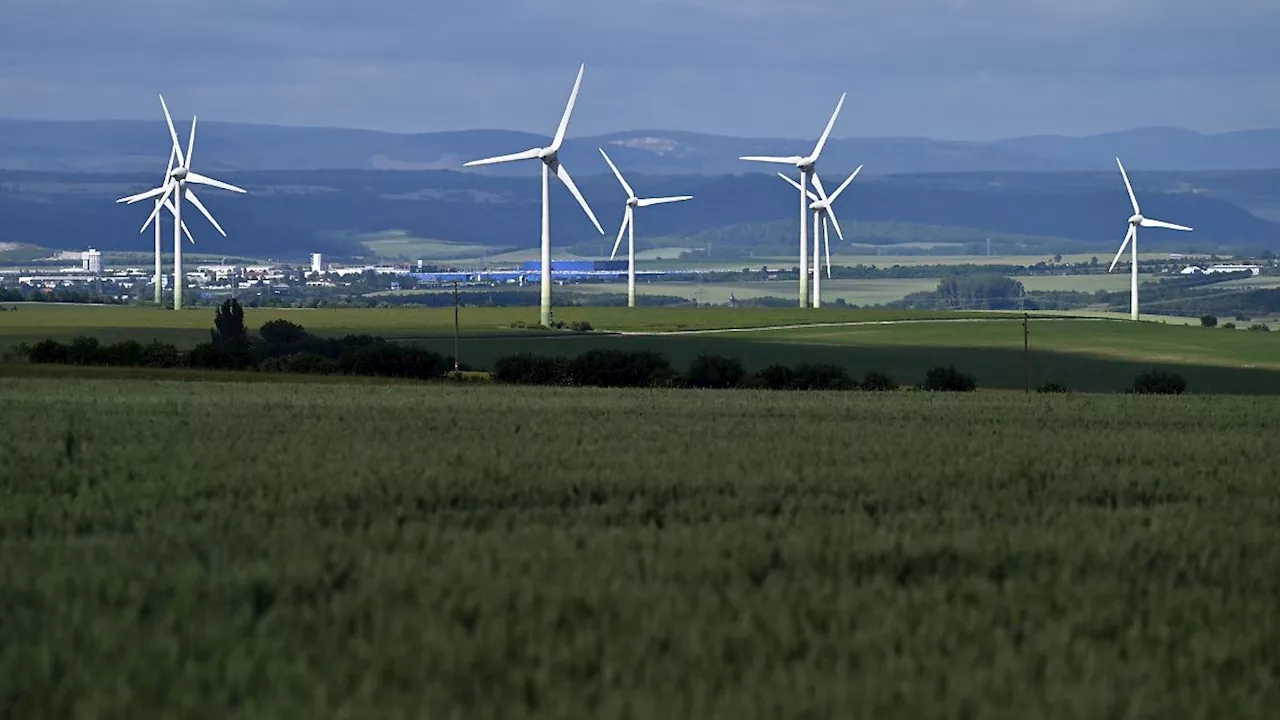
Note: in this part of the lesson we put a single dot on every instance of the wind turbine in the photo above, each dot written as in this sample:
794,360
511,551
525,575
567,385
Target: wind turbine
175,184
159,278
822,212
806,166
1136,221
629,223
550,164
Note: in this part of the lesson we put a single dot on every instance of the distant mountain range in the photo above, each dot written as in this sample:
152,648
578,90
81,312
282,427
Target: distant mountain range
141,146
289,213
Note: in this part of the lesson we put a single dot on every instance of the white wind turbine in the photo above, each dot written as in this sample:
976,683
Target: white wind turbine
176,182
159,278
1131,239
822,212
629,223
550,164
806,166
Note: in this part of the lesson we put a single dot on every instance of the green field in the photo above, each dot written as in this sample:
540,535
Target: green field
291,551
396,245
1088,355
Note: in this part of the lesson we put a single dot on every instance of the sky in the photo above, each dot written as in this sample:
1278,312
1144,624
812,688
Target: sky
945,69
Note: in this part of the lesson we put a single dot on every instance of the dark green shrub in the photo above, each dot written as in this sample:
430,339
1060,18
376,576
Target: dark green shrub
877,381
1260,327
1208,321
48,351
1158,382
821,376
281,332
774,377
614,367
127,353
158,354
1053,387
84,351
715,371
580,326
530,369
1229,326
948,379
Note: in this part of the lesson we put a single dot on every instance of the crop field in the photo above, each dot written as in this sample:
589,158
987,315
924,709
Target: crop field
855,292
182,549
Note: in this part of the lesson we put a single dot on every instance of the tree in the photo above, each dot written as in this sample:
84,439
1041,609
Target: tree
1208,321
228,323
1057,258
948,379
1158,382
715,371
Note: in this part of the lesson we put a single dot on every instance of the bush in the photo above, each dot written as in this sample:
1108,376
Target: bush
158,354
127,353
301,363
774,377
1158,382
1053,387
1208,321
821,376
383,359
48,351
281,332
84,351
530,369
580,326
878,381
1259,327
715,371
948,379
1229,326
612,367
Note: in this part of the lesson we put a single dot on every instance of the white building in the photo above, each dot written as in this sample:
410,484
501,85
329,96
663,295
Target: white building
1220,268
91,261
317,263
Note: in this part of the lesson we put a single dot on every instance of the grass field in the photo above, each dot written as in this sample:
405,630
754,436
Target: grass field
1088,355
394,245
217,549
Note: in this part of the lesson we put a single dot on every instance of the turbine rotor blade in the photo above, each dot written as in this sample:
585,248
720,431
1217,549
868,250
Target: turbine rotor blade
826,239
822,191
831,213
793,160
568,110
663,200
1127,237
191,195
191,141
1153,223
199,179
154,192
626,220
531,154
568,182
1132,198
173,134
796,185
164,202
845,184
630,193
822,142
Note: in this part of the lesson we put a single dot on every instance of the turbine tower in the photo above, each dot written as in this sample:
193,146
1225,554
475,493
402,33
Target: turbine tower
1131,239
550,164
628,223
822,212
806,166
176,184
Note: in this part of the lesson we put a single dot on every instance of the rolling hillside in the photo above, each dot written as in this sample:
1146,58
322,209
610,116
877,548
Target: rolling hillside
290,213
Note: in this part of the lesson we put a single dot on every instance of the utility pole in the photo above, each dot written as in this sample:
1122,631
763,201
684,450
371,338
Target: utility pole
455,326
1026,362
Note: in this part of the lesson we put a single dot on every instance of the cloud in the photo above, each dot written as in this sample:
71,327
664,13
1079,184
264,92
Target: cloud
974,68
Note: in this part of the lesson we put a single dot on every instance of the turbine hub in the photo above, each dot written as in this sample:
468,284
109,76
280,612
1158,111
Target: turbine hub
633,202
179,173
547,154
1136,219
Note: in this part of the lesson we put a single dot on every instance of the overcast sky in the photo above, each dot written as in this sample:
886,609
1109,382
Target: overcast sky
949,69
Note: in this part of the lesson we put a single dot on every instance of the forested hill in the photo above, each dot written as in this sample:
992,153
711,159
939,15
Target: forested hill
142,145
290,213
